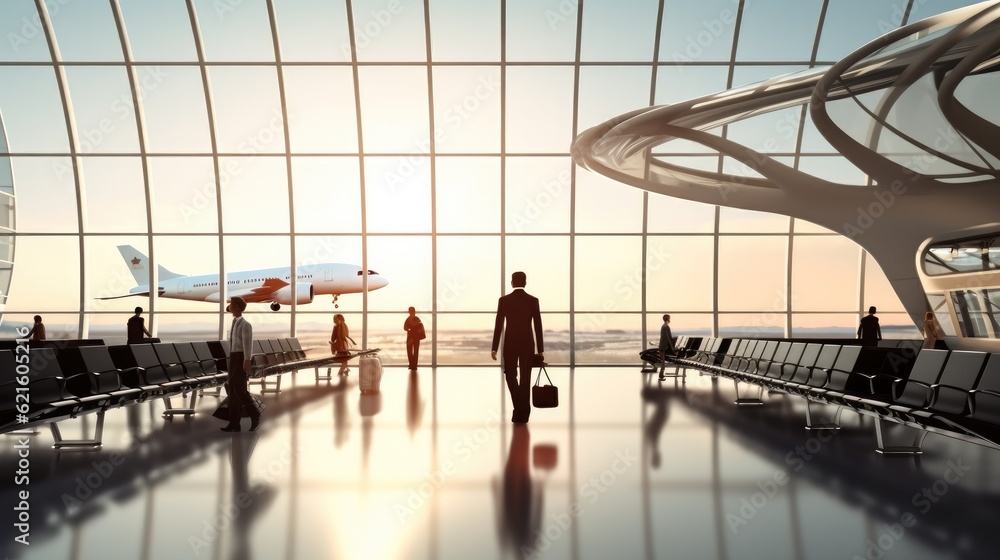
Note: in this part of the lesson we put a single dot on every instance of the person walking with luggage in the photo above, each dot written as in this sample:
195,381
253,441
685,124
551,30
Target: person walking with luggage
240,352
414,334
521,313
868,331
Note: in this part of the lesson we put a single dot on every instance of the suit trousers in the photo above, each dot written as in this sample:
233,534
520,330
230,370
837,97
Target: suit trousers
239,395
519,361
412,351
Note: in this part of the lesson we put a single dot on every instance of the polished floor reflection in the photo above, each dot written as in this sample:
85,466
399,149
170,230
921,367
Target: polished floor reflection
626,467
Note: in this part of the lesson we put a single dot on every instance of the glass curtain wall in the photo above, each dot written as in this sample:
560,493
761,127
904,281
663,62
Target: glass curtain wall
427,141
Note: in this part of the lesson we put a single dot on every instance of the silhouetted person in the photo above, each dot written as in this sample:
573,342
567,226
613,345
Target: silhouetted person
663,349
240,352
521,313
868,331
520,518
37,331
932,330
340,341
137,328
414,334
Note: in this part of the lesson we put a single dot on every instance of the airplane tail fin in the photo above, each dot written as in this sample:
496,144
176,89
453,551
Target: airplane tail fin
137,263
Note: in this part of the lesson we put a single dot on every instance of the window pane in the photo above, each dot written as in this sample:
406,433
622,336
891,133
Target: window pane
406,262
389,31
539,110
85,31
541,31
595,214
824,325
393,122
468,194
752,273
697,31
752,325
184,193
321,109
766,37
313,30
49,206
609,274
463,338
608,338
468,268
398,194
849,24
247,124
321,249
679,273
57,326
736,220
182,327
175,254
108,275
674,215
25,37
824,273
239,32
159,31
102,107
462,30
773,132
35,286
115,194
609,91
327,194
175,114
256,198
34,122
538,194
545,262
680,83
618,31
467,109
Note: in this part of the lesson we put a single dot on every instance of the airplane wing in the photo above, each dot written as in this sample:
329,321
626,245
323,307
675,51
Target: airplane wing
143,293
261,293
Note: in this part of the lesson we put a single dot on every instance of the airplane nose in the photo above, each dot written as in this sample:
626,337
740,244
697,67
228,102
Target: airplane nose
376,282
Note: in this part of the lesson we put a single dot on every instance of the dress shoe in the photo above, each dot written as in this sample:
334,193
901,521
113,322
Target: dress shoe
254,424
230,428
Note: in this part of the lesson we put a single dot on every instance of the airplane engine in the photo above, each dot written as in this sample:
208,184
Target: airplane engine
304,294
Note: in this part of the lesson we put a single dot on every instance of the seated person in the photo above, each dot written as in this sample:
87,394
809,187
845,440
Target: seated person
665,348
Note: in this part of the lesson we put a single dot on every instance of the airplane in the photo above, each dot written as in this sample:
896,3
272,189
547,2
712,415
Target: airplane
267,285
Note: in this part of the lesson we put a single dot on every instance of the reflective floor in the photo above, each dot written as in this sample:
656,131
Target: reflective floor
432,468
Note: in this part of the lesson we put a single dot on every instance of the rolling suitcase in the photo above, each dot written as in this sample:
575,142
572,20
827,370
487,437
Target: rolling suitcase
371,374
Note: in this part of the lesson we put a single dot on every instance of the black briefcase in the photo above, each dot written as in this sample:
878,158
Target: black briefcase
544,396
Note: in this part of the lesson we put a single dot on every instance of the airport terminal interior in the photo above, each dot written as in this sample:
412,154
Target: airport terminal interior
768,173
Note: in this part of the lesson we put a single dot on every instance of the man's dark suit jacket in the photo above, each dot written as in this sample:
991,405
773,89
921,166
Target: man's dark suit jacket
521,311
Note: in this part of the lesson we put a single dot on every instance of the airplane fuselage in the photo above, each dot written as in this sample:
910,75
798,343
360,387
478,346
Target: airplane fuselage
326,278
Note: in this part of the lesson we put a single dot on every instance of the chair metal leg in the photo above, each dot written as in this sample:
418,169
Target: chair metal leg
748,401
898,439
170,411
820,417
60,444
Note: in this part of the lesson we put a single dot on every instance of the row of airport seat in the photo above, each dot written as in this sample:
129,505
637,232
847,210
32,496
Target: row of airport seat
74,380
909,392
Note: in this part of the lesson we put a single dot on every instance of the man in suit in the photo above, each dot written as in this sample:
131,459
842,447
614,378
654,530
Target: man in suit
240,352
521,313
